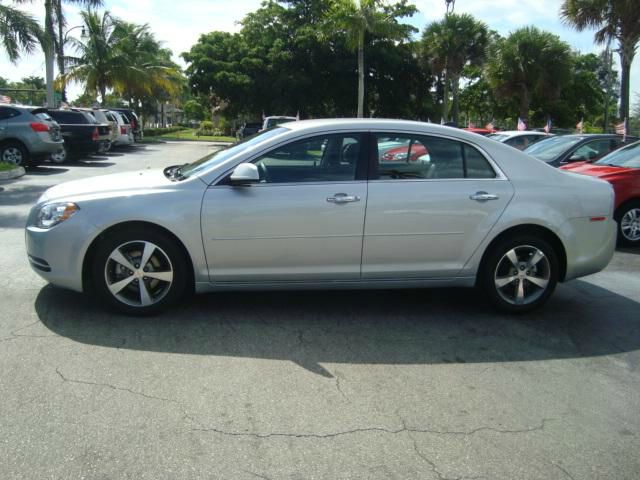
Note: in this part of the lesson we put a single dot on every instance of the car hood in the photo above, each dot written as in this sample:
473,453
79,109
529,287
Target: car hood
118,184
605,172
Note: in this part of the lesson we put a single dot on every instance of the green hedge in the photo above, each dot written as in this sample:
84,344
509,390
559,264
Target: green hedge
156,132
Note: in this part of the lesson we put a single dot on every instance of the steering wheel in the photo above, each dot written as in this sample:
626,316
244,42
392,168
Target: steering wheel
264,174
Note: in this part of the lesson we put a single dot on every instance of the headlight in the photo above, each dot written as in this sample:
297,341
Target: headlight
52,214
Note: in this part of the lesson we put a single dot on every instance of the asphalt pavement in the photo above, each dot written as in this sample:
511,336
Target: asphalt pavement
404,384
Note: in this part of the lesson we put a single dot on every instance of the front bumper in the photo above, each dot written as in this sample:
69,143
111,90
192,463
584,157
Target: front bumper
57,254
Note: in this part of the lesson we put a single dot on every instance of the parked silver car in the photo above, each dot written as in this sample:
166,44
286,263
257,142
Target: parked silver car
314,205
28,135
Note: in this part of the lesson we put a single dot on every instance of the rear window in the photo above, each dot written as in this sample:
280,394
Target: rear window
73,118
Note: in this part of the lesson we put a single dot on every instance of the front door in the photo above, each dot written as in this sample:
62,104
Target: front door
302,222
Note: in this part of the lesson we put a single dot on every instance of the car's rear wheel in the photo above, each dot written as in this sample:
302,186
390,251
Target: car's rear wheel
13,152
61,155
628,217
520,273
139,272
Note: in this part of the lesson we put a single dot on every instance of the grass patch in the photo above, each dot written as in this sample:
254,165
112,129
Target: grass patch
5,167
189,134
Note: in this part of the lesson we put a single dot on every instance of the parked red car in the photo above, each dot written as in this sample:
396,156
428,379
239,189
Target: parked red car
621,168
399,154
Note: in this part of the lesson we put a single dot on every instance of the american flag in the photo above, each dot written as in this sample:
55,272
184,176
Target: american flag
471,124
521,125
580,125
5,99
547,127
490,126
621,129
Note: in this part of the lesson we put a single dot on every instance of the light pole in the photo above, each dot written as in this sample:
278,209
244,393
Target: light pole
62,43
450,5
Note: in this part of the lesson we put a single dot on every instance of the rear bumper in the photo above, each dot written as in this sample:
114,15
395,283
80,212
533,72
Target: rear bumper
590,245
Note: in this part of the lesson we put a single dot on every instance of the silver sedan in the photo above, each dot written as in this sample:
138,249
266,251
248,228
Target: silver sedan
314,204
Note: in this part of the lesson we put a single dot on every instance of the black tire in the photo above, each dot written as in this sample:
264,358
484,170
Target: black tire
524,293
108,274
14,152
60,157
628,218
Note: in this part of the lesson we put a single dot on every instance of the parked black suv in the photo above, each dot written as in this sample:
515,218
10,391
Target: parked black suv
82,135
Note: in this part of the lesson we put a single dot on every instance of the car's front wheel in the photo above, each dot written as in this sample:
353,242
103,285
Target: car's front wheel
520,273
139,271
628,217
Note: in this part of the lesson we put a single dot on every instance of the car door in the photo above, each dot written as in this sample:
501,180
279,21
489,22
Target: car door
425,217
302,222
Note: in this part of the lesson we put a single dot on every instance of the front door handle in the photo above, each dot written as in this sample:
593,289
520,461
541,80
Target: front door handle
343,198
483,196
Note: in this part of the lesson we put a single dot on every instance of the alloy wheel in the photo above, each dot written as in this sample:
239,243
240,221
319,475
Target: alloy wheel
522,275
138,273
12,155
630,225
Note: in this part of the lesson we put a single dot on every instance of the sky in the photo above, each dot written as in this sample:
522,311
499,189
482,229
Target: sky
179,28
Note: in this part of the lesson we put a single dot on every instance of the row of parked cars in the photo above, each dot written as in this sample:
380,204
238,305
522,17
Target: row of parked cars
30,135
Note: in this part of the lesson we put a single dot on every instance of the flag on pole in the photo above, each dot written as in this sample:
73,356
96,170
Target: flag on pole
580,125
5,99
490,126
547,127
521,125
621,129
471,124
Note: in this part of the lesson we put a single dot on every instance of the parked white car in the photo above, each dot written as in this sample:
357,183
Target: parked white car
312,204
125,136
519,139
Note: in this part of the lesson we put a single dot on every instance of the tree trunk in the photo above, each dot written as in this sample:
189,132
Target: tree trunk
103,95
361,75
524,106
49,54
60,49
445,96
455,107
626,52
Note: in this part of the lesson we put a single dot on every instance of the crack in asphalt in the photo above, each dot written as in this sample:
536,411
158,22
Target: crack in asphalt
404,429
563,470
186,414
338,376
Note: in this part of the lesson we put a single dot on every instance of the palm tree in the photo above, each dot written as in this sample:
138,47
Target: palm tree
18,31
123,57
457,41
614,19
359,18
528,63
97,65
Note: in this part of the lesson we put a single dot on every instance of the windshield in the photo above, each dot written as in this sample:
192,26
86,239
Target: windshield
497,136
627,157
216,158
549,149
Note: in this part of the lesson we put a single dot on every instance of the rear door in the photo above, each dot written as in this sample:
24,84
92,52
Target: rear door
426,214
302,222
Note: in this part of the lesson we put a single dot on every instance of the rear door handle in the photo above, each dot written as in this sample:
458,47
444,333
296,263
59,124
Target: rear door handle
343,198
483,196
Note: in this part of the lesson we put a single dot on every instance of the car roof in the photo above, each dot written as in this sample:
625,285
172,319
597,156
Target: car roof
516,133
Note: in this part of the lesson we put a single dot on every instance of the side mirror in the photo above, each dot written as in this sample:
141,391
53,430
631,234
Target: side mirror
245,174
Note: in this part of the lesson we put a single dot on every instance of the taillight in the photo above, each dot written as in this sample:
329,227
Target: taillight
123,130
39,127
94,136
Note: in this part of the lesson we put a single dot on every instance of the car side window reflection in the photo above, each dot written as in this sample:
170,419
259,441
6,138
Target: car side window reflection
425,157
328,158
